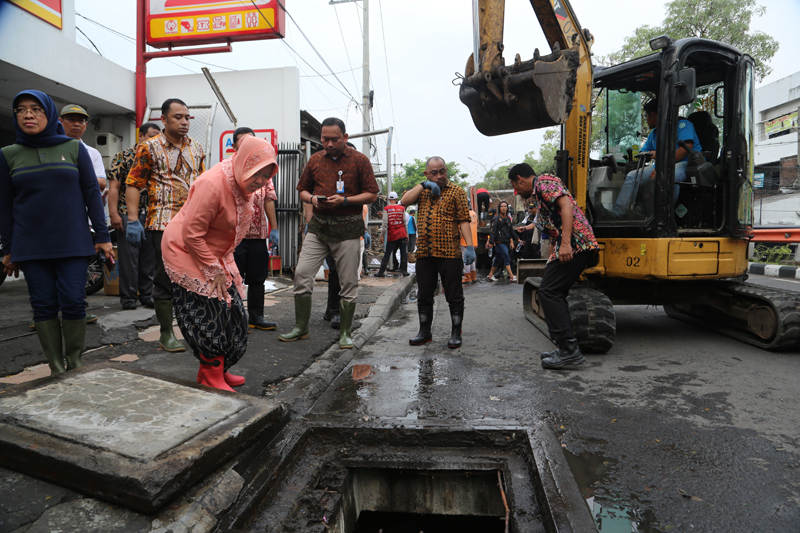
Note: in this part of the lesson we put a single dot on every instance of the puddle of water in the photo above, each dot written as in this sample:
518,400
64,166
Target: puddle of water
589,470
389,390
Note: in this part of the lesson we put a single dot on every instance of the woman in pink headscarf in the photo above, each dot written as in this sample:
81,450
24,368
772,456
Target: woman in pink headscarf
197,248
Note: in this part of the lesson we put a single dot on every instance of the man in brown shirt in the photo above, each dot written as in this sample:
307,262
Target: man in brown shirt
337,183
442,220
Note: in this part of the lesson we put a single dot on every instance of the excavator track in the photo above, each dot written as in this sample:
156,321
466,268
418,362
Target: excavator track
592,314
760,316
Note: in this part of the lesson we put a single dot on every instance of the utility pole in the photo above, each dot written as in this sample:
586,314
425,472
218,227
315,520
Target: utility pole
367,114
366,109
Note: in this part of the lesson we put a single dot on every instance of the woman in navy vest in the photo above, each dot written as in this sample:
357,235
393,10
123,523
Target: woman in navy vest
47,185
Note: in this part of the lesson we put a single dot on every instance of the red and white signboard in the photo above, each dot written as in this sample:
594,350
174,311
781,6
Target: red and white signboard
226,142
47,10
191,22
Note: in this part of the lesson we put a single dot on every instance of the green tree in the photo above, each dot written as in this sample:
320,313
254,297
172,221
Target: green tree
412,173
727,21
496,179
545,162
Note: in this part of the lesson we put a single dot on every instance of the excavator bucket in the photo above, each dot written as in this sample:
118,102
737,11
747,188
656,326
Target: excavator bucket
528,95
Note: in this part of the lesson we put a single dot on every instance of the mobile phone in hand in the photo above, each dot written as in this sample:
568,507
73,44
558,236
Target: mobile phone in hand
322,198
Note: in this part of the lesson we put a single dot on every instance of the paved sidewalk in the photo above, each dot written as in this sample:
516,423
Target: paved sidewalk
289,374
133,335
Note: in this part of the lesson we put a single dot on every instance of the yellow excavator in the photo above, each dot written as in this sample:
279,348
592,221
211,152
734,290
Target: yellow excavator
684,246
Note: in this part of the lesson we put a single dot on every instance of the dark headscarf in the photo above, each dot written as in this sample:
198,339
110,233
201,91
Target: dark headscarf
52,134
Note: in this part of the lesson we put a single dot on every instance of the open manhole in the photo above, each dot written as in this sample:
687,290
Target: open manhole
400,500
326,478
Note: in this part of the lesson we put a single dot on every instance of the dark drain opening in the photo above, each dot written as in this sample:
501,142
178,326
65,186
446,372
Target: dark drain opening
395,501
373,522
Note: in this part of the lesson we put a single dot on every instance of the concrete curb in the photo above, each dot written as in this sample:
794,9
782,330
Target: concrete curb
310,385
775,271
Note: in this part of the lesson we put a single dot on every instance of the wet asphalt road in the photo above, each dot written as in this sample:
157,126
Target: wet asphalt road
675,429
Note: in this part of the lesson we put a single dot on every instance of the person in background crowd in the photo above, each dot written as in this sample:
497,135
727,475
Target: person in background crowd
484,201
470,272
500,238
394,229
136,265
442,215
197,249
166,166
47,185
530,234
338,183
252,255
75,119
411,227
573,249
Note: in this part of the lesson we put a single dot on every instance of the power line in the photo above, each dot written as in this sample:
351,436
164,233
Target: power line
340,72
388,78
345,46
132,40
90,41
348,95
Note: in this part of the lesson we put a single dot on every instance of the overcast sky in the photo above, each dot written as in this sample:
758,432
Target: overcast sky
426,43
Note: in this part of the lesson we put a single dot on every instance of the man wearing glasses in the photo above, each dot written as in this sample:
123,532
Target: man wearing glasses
74,118
442,218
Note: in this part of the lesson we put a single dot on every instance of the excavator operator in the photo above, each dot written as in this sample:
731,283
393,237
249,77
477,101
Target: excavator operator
686,133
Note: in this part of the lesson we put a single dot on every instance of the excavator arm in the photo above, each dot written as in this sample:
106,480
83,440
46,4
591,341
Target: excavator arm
550,90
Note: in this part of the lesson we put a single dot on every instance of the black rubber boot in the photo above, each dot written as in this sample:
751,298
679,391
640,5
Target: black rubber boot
568,353
456,317
425,320
255,308
545,355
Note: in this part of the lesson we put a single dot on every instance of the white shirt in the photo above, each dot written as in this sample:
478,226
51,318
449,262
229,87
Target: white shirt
97,161
100,170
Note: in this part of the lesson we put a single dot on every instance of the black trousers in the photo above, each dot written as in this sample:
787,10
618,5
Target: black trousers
530,250
136,266
429,269
557,280
391,249
252,259
333,286
162,286
483,201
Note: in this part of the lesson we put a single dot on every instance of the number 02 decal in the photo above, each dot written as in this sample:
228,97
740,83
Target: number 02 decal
632,261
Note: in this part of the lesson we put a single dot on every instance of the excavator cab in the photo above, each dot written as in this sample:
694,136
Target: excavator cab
630,195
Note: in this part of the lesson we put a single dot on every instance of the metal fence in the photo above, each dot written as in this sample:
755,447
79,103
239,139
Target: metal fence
288,208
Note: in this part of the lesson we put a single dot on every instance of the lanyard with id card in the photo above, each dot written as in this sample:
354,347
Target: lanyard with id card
340,184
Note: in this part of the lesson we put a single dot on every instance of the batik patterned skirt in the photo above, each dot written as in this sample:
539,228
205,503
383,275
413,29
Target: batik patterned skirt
210,326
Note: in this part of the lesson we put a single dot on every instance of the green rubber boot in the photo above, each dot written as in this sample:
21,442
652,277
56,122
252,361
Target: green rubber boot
74,340
167,341
49,333
346,312
302,313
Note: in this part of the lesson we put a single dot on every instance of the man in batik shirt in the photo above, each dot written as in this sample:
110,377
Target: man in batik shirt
443,219
135,264
573,249
165,166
